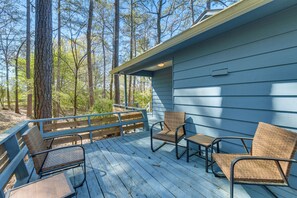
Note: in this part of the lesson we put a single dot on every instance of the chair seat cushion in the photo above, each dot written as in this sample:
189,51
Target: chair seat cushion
258,171
63,158
168,136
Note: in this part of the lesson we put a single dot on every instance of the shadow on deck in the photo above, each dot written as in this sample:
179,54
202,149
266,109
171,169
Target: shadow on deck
126,167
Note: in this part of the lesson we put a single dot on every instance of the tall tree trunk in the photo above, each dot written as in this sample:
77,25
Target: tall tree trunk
104,63
208,4
43,60
192,11
7,83
58,83
116,51
111,87
28,61
131,49
17,109
75,92
89,55
159,17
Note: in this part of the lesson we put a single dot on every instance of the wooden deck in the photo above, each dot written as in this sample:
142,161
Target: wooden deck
126,167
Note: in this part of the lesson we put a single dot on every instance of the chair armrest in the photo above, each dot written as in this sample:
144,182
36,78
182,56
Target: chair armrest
160,122
277,160
237,159
71,135
177,128
218,139
55,149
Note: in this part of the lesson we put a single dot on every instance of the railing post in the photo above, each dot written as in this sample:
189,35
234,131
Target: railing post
41,128
12,148
145,123
91,132
121,126
125,91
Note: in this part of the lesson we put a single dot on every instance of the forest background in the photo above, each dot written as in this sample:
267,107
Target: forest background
90,37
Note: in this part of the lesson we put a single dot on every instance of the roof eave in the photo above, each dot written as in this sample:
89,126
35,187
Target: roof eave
222,17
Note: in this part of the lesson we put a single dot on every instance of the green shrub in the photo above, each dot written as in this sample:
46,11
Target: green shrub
103,105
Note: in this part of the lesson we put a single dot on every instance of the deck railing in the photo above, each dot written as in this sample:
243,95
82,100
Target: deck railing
13,150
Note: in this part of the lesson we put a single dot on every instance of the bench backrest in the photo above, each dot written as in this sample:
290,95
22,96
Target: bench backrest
272,141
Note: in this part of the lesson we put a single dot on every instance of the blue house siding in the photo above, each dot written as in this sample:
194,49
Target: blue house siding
261,84
162,92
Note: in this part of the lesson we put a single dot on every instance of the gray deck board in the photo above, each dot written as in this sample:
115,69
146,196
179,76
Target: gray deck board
126,167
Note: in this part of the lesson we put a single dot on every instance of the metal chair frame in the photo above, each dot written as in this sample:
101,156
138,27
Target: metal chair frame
67,167
177,140
242,158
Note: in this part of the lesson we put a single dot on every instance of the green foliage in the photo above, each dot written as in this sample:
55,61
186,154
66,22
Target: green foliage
102,105
143,98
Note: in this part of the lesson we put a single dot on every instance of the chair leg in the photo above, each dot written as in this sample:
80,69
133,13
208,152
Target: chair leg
155,149
215,173
231,188
84,179
176,151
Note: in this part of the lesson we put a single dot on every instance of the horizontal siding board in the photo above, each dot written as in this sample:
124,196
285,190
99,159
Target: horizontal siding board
251,89
162,97
165,106
159,86
261,29
260,103
287,72
162,92
275,58
277,118
240,127
160,109
165,101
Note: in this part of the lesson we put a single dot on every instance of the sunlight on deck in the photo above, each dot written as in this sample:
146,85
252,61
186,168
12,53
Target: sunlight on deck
126,167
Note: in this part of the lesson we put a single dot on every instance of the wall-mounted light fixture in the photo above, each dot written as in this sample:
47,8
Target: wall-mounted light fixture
161,65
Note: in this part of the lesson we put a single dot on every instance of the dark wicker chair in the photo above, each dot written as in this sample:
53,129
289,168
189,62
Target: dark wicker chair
267,163
49,160
172,130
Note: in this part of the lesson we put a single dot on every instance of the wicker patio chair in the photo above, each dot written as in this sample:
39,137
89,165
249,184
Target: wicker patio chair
267,163
172,130
51,160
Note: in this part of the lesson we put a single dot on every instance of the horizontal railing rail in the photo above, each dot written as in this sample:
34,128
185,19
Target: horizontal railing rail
119,107
13,150
93,122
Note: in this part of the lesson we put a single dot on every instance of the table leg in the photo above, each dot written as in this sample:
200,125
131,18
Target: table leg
199,151
206,159
187,151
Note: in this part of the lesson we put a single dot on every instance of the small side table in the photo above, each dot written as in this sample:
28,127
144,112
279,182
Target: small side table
56,186
204,141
